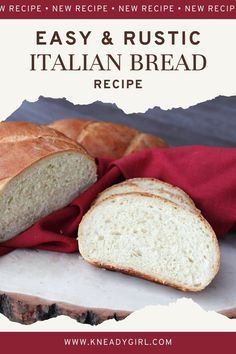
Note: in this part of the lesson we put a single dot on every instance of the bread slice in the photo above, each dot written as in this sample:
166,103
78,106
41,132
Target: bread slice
41,171
150,237
152,186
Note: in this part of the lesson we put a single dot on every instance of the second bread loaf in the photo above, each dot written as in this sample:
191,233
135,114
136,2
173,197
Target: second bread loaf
106,139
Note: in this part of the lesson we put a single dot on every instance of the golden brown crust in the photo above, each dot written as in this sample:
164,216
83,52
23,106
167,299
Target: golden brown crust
182,201
151,179
71,127
22,144
143,275
12,132
184,197
106,139
135,273
145,141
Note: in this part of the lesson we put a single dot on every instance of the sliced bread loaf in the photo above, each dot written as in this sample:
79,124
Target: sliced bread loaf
151,237
41,170
153,186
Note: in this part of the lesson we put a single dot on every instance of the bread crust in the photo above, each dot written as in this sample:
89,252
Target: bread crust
22,144
12,132
145,141
134,182
106,139
181,191
133,272
71,127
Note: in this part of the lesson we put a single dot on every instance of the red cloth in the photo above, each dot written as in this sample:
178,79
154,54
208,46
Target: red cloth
207,174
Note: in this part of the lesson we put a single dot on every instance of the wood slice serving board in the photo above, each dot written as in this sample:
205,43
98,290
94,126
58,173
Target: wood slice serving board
36,285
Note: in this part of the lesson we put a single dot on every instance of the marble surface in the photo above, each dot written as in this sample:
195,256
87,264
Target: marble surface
67,278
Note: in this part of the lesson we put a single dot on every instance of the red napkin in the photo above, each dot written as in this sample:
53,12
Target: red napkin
207,174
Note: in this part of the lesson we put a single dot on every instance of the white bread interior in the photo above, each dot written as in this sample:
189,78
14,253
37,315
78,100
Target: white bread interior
47,185
151,237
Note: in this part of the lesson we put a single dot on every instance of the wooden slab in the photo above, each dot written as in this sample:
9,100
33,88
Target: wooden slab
38,285
28,309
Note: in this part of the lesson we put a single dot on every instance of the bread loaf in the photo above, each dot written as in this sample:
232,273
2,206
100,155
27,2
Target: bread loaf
70,127
151,237
153,186
41,170
144,141
105,139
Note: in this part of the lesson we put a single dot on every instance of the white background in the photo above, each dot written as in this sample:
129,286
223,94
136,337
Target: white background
164,89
